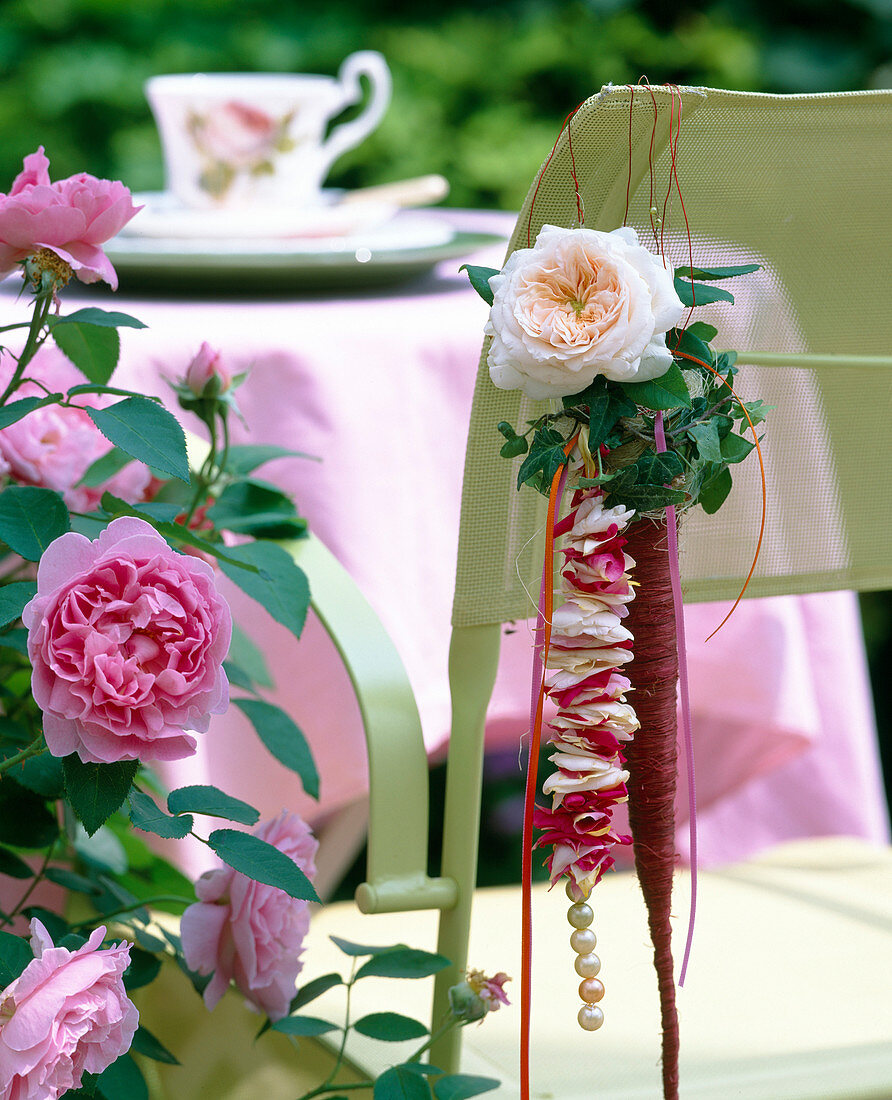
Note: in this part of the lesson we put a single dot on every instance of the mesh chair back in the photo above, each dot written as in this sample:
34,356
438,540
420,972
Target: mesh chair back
800,185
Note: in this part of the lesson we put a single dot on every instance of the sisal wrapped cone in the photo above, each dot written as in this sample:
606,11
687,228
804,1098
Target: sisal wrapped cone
651,760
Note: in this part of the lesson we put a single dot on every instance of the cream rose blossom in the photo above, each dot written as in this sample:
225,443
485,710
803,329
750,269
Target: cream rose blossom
579,304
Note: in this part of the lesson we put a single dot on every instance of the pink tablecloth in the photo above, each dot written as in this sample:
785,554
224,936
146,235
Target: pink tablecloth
379,386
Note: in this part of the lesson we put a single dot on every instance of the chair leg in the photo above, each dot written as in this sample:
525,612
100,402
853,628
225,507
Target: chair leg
473,661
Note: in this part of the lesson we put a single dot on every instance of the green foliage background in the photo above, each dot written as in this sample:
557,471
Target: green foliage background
480,86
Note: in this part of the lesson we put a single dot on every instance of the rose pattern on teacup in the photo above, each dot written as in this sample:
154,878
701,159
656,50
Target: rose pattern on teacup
236,139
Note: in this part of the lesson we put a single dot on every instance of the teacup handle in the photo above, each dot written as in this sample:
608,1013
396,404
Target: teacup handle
363,63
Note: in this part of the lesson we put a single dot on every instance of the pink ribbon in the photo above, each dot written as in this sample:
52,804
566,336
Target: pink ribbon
675,578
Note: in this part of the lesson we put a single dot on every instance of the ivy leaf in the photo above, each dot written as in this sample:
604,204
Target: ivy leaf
648,498
735,448
147,432
96,791
700,294
94,349
714,493
715,272
261,862
669,391
758,411
146,815
31,518
479,278
546,456
706,436
213,802
13,597
284,739
402,962
390,1027
658,469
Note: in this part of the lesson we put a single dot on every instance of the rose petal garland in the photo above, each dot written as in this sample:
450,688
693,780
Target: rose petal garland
588,645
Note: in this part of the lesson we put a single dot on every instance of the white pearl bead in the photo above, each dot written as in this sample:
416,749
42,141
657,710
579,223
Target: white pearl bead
587,966
590,1017
580,915
583,940
574,892
591,990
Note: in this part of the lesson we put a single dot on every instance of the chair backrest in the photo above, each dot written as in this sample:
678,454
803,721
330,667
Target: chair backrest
798,184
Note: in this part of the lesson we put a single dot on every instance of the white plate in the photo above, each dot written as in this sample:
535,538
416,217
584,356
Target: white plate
163,216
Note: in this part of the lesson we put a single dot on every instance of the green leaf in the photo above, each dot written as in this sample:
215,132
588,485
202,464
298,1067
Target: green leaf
356,950
669,391
43,775
700,294
688,343
758,411
402,962
261,862
213,802
314,989
15,410
460,1086
104,318
401,1083
658,469
255,508
390,1027
31,518
25,819
306,1026
149,817
94,349
702,331
105,467
714,272
647,498
249,657
244,458
515,447
145,1043
122,1081
479,278
277,583
283,738
713,495
147,432
95,791
144,968
61,876
11,865
13,597
735,448
103,850
15,954
546,456
706,436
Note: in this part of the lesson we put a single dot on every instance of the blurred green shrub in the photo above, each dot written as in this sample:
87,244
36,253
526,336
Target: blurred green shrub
480,88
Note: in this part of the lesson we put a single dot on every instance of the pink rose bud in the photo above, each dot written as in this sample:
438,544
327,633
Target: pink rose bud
127,640
245,932
65,1015
70,219
205,368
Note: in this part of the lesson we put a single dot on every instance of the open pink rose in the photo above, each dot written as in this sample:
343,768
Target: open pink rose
204,368
248,933
54,446
127,640
72,217
65,1015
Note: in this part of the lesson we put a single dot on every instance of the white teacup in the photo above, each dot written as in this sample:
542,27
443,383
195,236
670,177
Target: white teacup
240,139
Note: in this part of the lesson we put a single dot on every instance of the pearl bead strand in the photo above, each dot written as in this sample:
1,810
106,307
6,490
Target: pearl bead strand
583,941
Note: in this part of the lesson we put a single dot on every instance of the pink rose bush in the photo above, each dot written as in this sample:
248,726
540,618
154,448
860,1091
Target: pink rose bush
65,1015
55,445
72,218
246,932
127,640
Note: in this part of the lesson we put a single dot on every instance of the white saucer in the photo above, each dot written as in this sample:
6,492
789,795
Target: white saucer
164,217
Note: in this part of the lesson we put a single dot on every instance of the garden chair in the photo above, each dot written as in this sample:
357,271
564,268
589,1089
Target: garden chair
789,979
